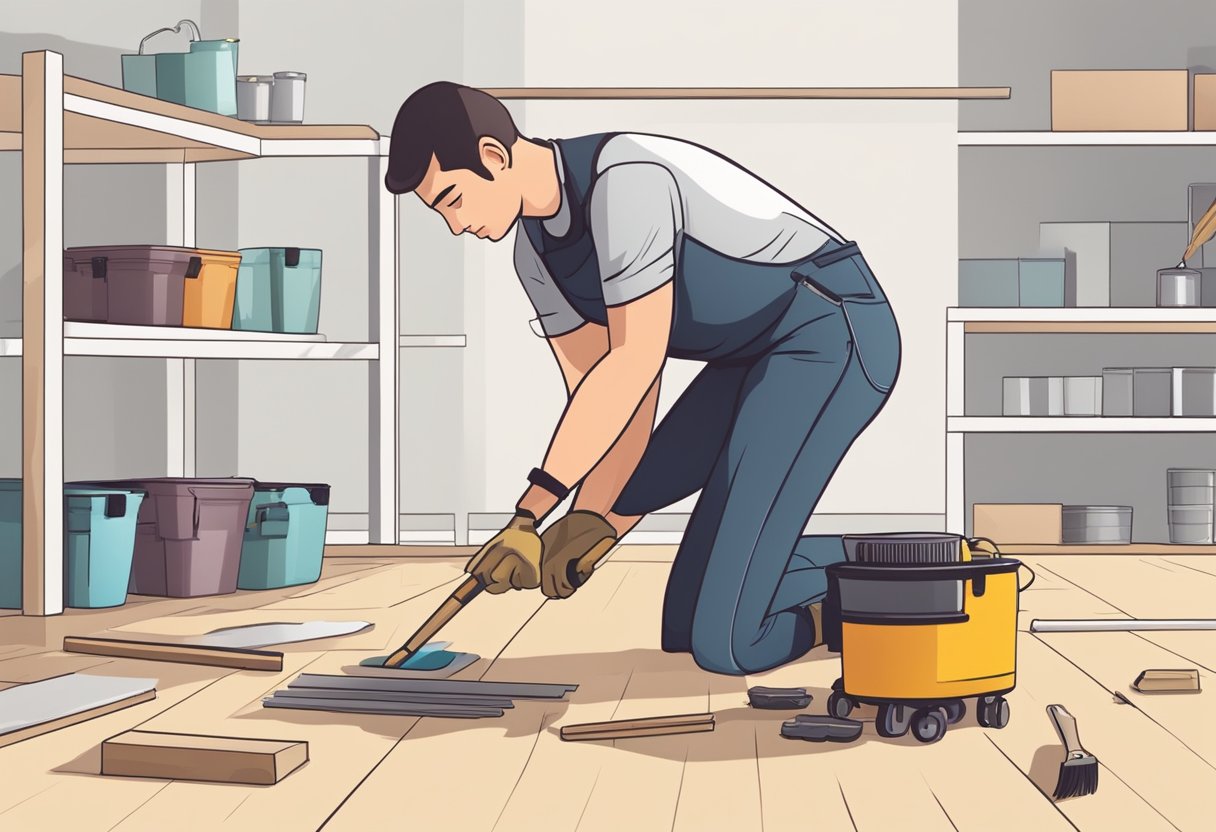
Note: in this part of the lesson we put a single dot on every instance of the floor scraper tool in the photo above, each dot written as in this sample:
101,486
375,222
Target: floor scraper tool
578,573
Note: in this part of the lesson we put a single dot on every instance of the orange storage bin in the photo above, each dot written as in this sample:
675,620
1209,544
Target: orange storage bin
210,296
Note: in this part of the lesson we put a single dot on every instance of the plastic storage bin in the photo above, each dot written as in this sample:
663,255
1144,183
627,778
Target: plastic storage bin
988,283
208,299
284,535
278,290
99,544
188,537
144,285
10,544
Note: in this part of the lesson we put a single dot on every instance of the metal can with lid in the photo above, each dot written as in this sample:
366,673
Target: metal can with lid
287,97
253,97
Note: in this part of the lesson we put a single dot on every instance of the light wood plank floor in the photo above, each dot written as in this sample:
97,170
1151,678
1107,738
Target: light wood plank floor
515,773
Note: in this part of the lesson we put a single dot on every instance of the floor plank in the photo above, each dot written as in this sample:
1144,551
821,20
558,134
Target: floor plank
512,762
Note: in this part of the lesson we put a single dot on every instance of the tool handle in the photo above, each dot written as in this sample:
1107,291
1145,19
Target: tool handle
1066,727
579,571
469,589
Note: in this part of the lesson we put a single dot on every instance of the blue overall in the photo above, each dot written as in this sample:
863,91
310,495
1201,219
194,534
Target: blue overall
799,358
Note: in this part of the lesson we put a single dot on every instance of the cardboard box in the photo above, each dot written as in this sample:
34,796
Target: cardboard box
1120,99
1205,101
1010,524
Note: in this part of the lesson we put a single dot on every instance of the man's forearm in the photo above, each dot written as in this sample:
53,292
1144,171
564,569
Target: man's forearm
604,484
597,415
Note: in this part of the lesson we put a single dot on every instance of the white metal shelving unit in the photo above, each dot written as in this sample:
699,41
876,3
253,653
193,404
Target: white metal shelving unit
56,120
961,322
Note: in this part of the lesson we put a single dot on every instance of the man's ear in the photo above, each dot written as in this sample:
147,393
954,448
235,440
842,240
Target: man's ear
493,155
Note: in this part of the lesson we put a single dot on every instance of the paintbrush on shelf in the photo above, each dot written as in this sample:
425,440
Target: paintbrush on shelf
1205,229
1079,771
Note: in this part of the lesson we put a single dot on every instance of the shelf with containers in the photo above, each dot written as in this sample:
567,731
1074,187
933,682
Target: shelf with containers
56,120
1089,458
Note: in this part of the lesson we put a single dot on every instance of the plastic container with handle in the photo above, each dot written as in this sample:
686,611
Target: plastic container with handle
279,290
208,299
284,535
188,535
99,545
203,78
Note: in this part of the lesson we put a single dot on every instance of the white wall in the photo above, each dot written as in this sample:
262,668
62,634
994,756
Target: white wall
884,173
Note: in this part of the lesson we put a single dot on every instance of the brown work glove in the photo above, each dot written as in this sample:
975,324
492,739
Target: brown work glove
511,560
573,545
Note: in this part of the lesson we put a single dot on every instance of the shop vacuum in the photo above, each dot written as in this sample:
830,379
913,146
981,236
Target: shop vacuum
922,622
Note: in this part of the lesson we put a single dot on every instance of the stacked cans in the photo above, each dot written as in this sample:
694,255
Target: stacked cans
1192,505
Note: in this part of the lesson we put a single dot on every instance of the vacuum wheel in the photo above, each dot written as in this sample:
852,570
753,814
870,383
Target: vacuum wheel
929,724
992,711
840,705
893,719
956,709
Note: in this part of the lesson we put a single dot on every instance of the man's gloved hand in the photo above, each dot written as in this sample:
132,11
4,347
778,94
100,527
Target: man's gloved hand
511,560
567,542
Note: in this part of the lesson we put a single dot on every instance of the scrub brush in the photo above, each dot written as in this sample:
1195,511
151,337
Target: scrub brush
1079,771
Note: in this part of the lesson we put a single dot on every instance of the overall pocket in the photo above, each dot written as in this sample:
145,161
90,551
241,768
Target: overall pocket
843,277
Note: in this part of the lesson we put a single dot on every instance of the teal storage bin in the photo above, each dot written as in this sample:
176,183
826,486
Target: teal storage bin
988,283
278,290
10,544
99,545
1041,282
203,78
284,536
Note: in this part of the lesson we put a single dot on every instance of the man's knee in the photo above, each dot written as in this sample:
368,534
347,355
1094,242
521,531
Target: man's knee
750,649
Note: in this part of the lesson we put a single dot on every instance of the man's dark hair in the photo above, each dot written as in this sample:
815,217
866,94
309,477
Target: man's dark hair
445,120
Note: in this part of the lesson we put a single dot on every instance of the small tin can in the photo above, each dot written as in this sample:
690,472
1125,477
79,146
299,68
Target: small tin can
253,97
1178,287
287,97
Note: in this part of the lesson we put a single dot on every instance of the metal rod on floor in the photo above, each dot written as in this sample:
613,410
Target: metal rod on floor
1106,625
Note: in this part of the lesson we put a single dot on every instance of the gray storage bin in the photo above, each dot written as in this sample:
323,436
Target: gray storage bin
1192,505
1033,396
1152,391
1041,282
1097,524
988,283
1117,391
1083,396
1194,391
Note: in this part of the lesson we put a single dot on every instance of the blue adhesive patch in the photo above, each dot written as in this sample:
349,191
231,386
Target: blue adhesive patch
429,657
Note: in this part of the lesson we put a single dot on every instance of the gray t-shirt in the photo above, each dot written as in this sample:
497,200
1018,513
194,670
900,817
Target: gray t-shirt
648,190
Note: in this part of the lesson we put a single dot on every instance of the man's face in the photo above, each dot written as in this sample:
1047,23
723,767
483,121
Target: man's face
468,203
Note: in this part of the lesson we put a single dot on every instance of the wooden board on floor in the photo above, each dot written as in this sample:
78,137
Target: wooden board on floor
169,756
238,658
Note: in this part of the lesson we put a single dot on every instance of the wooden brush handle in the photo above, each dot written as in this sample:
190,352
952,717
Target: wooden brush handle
469,589
1204,231
577,572
1066,727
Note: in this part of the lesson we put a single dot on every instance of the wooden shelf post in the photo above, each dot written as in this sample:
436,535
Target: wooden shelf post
42,323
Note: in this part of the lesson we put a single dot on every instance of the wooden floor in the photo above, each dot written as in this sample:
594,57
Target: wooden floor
515,773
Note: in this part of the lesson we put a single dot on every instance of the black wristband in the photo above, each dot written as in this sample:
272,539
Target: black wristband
550,483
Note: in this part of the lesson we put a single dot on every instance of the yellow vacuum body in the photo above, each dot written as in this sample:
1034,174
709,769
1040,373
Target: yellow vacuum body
923,622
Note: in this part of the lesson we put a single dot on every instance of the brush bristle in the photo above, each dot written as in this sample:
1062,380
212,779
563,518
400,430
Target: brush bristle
1078,778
